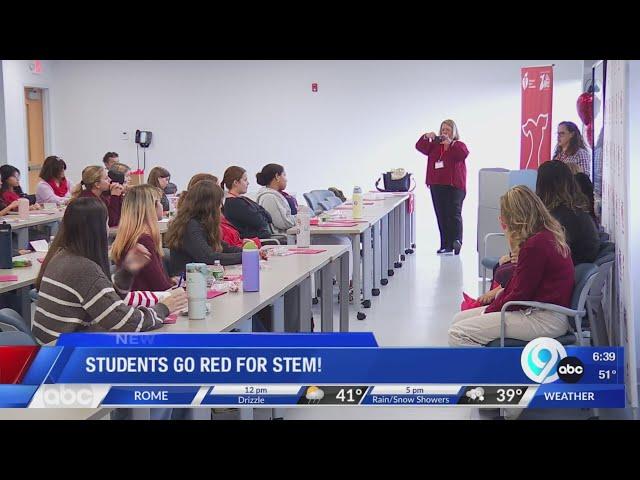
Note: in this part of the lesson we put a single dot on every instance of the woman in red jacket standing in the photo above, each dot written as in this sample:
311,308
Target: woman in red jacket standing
447,179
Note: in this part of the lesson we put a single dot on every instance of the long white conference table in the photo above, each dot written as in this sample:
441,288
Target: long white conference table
279,275
20,227
386,231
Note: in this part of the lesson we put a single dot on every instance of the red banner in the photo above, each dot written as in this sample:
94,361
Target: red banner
536,126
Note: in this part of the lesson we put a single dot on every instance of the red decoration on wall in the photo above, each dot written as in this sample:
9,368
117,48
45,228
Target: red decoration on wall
584,106
314,87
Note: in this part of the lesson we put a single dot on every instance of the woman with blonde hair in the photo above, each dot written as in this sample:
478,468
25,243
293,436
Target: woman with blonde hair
447,179
141,211
544,273
96,183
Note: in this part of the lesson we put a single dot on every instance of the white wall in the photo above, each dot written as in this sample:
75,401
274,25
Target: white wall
365,118
633,211
16,75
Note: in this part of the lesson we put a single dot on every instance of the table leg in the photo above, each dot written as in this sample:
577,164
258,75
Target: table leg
392,240
22,237
377,258
277,315
25,304
357,268
367,270
403,228
304,292
344,292
326,302
384,249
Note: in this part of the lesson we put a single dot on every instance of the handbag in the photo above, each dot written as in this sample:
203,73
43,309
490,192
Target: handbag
397,180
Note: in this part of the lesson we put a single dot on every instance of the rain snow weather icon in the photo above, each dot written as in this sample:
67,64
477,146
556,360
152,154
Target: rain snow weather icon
314,395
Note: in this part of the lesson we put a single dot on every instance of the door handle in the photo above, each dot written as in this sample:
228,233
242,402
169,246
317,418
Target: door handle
34,168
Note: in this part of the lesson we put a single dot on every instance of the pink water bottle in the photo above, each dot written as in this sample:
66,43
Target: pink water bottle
23,208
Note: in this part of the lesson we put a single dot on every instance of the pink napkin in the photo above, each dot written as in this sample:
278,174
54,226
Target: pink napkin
337,224
8,278
469,302
214,293
306,251
173,318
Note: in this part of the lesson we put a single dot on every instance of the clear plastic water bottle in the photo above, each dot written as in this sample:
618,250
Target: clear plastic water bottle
357,202
217,271
303,221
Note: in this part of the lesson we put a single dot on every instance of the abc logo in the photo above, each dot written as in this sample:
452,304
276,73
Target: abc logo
67,396
570,369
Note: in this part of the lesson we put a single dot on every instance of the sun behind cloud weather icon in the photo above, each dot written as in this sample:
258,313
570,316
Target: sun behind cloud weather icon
314,394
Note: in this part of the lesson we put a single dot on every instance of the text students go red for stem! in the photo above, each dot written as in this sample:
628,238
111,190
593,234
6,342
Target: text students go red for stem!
447,179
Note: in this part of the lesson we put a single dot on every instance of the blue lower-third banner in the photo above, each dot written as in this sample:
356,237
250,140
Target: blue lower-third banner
302,370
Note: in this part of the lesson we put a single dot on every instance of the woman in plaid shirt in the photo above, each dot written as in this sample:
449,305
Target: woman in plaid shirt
571,147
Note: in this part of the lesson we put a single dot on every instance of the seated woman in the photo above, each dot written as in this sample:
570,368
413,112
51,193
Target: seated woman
194,234
557,188
560,193
96,183
10,191
53,186
159,177
544,273
247,216
141,210
281,206
228,232
76,293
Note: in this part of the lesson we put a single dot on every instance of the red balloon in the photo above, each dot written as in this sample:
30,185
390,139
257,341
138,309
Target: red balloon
585,108
590,133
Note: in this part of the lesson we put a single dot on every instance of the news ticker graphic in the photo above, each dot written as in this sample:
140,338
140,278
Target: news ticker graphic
302,370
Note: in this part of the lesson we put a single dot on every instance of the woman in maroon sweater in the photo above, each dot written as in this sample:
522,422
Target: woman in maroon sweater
447,179
141,211
544,273
96,183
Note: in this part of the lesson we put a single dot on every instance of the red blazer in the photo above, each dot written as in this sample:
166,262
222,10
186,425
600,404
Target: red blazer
454,171
541,275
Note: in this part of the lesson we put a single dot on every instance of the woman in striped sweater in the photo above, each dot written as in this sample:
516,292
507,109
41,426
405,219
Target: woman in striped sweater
75,290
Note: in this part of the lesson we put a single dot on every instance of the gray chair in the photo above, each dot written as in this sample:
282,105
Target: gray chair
11,321
585,275
598,321
313,200
488,262
15,339
321,200
605,248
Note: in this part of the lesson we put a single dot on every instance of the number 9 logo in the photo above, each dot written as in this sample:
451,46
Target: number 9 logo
540,358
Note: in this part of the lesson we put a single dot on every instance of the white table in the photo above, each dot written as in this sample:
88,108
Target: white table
21,227
281,275
26,277
386,223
